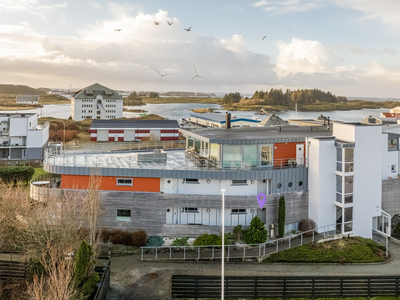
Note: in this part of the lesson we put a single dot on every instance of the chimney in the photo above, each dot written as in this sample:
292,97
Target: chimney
228,120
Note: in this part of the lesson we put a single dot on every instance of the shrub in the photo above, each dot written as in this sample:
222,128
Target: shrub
180,242
306,225
83,261
210,240
154,241
139,238
14,174
90,285
281,216
121,237
256,234
238,232
396,230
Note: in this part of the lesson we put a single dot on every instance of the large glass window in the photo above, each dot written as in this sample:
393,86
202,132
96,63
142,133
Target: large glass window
348,185
349,154
266,155
232,156
392,144
339,154
338,184
214,151
348,199
348,214
250,155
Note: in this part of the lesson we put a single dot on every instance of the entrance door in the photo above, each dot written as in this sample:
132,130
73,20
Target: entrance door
300,154
115,138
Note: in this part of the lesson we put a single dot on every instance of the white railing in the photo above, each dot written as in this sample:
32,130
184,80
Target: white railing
241,251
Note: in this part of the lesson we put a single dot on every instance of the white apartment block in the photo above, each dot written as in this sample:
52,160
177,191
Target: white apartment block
21,137
96,102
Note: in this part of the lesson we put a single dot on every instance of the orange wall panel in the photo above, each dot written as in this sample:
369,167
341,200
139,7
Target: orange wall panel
109,183
285,151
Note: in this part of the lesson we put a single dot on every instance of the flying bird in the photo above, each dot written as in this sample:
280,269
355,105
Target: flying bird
188,29
170,23
157,23
118,29
264,37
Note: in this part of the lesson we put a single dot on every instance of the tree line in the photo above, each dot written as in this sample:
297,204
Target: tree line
278,97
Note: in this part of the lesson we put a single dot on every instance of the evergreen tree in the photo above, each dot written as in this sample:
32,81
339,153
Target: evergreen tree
256,234
281,216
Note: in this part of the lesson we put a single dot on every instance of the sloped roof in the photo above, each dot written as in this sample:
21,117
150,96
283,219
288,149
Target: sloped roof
92,91
273,120
133,123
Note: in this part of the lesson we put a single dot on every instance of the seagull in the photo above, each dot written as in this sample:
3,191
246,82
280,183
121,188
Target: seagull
157,23
264,37
170,23
117,29
188,29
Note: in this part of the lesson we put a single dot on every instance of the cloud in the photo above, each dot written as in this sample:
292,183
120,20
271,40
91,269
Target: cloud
125,59
385,10
29,6
288,6
305,56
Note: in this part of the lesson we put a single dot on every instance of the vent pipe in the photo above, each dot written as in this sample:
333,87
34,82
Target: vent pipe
228,120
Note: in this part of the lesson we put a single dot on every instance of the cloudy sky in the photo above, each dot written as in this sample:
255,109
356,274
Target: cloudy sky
349,47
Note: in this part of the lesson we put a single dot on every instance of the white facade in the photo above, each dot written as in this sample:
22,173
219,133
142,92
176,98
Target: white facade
21,137
345,177
96,102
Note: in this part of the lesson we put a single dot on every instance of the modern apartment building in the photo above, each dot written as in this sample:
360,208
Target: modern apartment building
343,174
96,102
21,137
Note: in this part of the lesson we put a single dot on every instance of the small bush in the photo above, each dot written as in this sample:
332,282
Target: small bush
397,229
210,240
180,242
256,234
238,232
122,237
306,225
90,285
154,241
139,238
15,174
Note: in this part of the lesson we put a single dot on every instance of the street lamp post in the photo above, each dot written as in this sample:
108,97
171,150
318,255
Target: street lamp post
223,246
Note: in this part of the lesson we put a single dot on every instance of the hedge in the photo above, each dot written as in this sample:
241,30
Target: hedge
16,174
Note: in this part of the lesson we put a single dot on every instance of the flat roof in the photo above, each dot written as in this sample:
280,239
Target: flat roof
220,117
257,135
17,115
134,123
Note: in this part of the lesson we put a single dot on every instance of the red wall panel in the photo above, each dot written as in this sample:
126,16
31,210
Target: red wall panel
285,151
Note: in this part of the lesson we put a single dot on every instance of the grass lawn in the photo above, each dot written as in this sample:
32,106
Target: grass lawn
346,250
39,171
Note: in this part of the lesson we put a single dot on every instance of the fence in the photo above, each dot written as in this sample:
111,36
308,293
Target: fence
12,270
104,285
126,146
237,252
284,287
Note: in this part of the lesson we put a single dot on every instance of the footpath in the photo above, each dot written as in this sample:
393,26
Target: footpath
150,280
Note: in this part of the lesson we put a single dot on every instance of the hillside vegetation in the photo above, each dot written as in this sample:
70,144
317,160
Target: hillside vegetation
306,100
20,90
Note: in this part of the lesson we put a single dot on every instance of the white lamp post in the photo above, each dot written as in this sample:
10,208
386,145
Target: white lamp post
223,246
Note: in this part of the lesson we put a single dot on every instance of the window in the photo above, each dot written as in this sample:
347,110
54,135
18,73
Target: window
279,185
123,215
339,154
392,144
339,183
232,156
125,181
191,180
190,209
237,211
266,155
393,168
239,182
348,185
250,157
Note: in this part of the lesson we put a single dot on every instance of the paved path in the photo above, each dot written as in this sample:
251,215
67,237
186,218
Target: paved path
130,277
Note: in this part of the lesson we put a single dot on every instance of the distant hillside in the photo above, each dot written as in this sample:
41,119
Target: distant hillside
19,90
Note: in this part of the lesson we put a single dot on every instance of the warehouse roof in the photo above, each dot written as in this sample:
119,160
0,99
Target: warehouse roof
134,123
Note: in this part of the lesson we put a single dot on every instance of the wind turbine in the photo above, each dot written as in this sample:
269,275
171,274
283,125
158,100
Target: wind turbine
161,77
195,80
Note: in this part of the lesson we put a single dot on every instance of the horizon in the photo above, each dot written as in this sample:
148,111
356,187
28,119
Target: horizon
259,45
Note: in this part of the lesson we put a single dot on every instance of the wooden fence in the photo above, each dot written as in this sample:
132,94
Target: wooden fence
198,287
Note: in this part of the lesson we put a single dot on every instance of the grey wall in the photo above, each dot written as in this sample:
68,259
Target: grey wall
34,153
149,210
391,196
16,153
